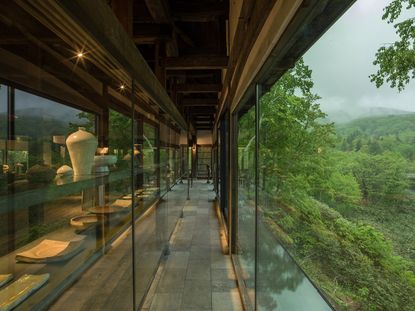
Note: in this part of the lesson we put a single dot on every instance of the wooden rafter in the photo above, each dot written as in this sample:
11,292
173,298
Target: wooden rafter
198,88
197,62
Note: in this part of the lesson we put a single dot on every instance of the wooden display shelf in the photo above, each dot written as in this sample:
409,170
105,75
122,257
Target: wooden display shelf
62,274
25,194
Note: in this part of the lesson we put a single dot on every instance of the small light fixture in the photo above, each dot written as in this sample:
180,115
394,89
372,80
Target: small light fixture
80,54
122,87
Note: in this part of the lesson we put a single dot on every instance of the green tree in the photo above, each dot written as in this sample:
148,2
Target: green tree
397,61
293,139
382,178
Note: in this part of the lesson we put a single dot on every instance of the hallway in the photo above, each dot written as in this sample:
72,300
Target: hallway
193,275
196,275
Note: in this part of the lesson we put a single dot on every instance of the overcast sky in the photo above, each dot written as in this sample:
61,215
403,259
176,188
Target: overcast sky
342,61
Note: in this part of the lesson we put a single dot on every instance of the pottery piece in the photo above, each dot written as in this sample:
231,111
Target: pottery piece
81,146
101,162
102,210
122,203
12,295
51,251
65,170
83,220
40,173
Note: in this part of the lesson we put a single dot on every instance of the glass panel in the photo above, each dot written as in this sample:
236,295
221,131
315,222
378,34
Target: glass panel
246,200
3,138
337,170
283,120
64,203
150,164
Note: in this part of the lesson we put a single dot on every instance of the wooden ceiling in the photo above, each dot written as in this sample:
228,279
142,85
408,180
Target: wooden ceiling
184,43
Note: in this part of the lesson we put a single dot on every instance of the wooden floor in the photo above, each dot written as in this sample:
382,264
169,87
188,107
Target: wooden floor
193,275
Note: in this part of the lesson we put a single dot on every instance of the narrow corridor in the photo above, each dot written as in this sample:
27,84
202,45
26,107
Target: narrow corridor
196,275
193,275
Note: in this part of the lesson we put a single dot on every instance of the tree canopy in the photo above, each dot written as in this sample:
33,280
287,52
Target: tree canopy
396,61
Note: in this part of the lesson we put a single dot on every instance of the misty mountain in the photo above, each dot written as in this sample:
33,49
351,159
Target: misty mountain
345,116
65,114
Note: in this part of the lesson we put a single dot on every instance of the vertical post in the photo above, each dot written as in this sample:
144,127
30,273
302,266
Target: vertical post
102,126
11,228
187,159
258,93
133,192
233,210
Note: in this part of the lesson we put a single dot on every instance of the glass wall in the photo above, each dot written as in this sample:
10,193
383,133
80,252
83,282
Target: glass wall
334,190
82,222
246,198
150,163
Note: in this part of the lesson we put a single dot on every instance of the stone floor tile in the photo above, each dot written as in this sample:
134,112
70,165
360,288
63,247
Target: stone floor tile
177,259
172,281
227,301
197,294
198,270
166,301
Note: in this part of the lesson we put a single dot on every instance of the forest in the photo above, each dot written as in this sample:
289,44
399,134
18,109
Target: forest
342,195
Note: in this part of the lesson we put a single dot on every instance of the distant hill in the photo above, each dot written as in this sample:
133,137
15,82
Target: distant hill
344,116
379,126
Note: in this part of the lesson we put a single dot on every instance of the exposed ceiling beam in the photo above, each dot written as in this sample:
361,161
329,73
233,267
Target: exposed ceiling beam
200,12
160,12
197,62
123,9
145,33
204,112
192,73
198,88
199,102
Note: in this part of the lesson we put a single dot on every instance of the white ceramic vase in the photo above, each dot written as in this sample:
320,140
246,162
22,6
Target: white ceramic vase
82,146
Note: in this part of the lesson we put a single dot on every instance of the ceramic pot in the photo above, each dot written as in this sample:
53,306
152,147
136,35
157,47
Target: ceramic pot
64,170
40,173
81,146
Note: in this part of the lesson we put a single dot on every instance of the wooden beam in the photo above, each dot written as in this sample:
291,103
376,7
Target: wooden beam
200,12
123,9
145,33
159,11
198,88
197,62
204,112
160,70
200,102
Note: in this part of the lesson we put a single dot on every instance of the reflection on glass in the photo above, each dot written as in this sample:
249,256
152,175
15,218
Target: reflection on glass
246,199
150,164
204,161
60,220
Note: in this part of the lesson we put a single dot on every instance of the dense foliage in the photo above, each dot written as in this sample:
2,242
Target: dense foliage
397,61
321,192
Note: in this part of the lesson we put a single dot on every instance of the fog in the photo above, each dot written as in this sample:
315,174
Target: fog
342,61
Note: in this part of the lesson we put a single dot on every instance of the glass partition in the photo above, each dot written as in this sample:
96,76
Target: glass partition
335,174
80,173
150,163
246,199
